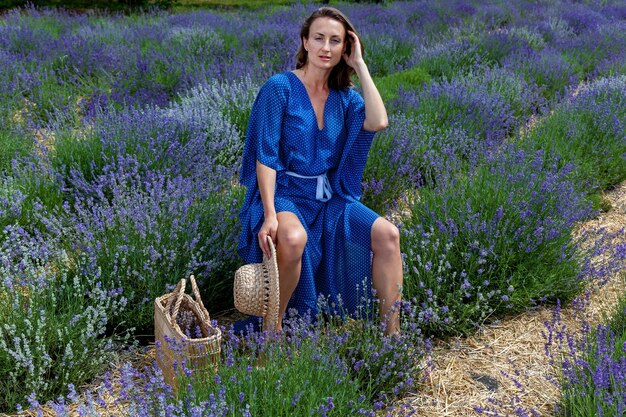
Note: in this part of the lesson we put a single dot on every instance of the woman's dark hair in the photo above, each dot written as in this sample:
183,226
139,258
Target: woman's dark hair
341,75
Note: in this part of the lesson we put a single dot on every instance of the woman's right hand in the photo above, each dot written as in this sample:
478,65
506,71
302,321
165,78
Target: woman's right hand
269,228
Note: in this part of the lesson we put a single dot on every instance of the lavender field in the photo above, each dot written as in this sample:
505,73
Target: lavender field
120,146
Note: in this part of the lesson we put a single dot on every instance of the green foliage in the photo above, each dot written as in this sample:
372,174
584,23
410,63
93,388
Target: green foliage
617,322
550,71
52,95
377,362
147,255
7,4
598,202
524,98
380,169
494,241
334,367
387,56
232,4
593,372
282,378
445,61
588,131
533,39
78,150
493,47
52,324
411,154
595,53
410,79
93,4
31,188
12,145
194,42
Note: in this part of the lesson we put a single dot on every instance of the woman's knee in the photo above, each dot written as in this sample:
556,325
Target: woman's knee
385,236
292,239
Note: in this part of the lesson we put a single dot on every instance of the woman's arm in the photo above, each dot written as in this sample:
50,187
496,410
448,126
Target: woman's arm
375,112
266,178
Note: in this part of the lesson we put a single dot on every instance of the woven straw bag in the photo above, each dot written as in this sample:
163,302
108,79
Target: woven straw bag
200,355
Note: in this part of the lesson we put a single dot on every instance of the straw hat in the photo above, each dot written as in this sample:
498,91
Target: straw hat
256,289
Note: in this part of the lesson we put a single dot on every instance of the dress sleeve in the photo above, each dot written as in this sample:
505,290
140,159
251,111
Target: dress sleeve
265,129
358,144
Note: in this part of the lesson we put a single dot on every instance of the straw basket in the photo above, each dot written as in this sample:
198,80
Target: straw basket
200,355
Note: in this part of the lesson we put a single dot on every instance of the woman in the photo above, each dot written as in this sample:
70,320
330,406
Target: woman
306,147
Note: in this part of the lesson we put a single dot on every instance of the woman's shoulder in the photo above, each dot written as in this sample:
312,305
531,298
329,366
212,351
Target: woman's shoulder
274,88
278,81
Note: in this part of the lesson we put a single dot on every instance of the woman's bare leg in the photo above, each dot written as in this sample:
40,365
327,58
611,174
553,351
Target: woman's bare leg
290,241
387,271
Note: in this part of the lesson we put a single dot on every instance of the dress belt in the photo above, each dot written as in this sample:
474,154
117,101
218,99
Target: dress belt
323,192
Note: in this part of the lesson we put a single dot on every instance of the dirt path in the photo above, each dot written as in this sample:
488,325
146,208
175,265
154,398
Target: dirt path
487,366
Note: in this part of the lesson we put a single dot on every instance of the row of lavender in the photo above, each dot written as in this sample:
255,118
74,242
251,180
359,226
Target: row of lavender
138,124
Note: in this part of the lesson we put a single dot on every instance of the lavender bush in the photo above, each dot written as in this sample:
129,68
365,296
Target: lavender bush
385,367
494,46
232,101
524,97
12,146
496,240
197,142
590,51
587,360
496,16
489,104
591,363
547,69
125,61
52,318
412,154
153,188
588,131
33,185
448,59
321,368
146,230
300,375
613,63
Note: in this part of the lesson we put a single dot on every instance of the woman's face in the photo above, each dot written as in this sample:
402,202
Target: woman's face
326,42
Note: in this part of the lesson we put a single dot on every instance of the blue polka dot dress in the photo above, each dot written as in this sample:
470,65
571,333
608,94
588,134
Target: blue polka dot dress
283,134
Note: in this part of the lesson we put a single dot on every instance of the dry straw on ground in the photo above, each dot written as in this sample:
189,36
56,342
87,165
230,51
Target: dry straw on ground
476,370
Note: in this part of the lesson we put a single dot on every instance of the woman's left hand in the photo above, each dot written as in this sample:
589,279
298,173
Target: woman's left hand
355,58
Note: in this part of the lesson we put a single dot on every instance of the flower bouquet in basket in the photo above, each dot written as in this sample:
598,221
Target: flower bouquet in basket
184,334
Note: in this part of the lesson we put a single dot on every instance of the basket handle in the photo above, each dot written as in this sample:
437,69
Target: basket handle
168,301
180,289
196,294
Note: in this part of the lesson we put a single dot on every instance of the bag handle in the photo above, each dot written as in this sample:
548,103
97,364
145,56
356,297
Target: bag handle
168,303
196,294
180,289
